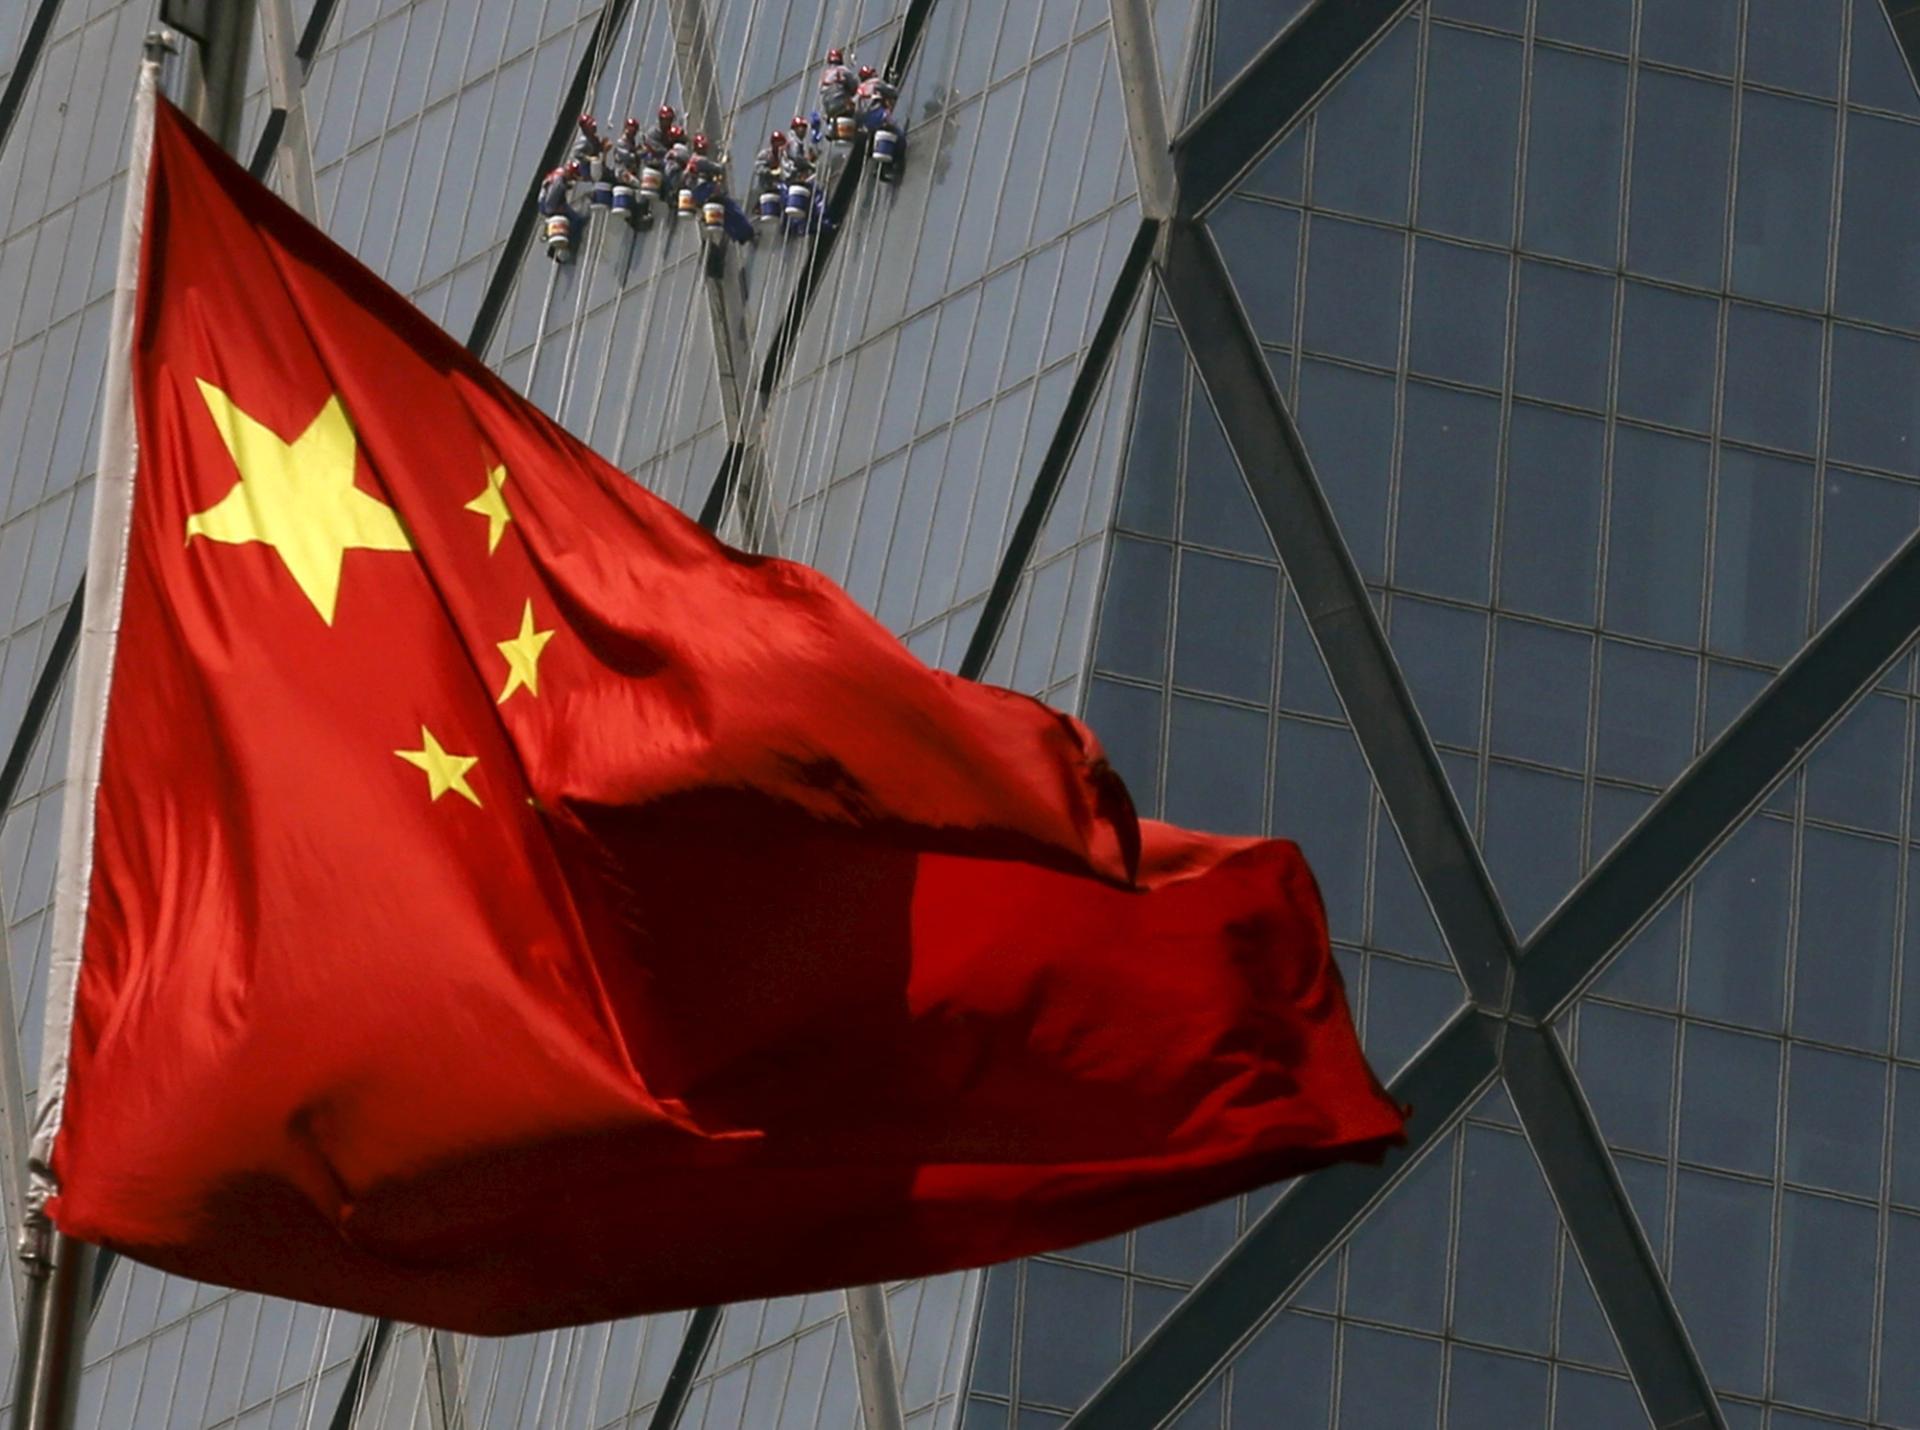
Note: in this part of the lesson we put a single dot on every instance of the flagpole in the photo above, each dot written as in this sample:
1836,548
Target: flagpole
58,1268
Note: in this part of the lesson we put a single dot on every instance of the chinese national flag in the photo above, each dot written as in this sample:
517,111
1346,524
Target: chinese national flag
511,907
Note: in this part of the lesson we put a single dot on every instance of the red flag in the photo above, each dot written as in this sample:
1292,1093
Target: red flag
512,907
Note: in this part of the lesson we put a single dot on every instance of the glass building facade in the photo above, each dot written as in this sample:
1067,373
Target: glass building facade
1492,467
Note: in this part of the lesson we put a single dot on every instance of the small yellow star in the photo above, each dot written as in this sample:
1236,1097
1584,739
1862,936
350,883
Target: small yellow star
492,504
444,772
523,656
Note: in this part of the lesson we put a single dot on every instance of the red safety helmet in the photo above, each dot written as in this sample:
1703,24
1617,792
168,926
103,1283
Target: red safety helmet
799,125
778,139
632,126
675,134
573,169
666,116
699,143
868,72
586,121
836,56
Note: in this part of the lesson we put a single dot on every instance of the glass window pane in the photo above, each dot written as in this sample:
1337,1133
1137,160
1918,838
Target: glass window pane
1320,795
1723,1233
1133,617
1773,378
1550,532
1878,275
1762,534
1677,223
1737,960
1626,1067
1730,1090
1851,774
1397,1261
1346,420
1563,345
1900,1371
1354,276
1153,458
1532,839
1070,1336
1822,1345
1504,1268
1873,410
1836,1110
1216,766
1442,651
1127,720
1541,678
1575,144
1877,72
1285,1375
1469,135
1487,1389
1363,132
1447,469
1459,313
1603,24
1227,627
1698,34
1786,191
1795,44
1656,548
1219,509
1843,969
1647,701
1388,1381
1260,244
1668,343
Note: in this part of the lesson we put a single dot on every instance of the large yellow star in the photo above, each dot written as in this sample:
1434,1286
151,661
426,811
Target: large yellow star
298,497
492,504
444,772
523,656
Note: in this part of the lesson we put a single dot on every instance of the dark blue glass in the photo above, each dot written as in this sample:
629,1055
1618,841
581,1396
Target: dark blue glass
1906,1136
1388,1381
1795,44
1656,548
1563,342
1218,509
1183,1248
1469,135
1283,172
1402,920
1216,765
1780,227
1447,469
1585,1401
1541,679
1853,774
1729,1099
1878,272
1304,685
1836,1112
1762,534
1823,1341
1347,421
1575,146
1647,702
1153,456
1499,14
1260,244
1532,839
1900,1370
1442,651
1626,1067
1406,1004
1550,527
1354,276
1843,966
1723,1233
1133,621
1873,409
1320,793
1504,1265
1397,1260
1667,356
1070,1337
1737,958
1773,378
1226,630
1600,24
1127,720
1459,313
1285,1375
1677,223
1489,1389
1242,27
1697,34
1363,132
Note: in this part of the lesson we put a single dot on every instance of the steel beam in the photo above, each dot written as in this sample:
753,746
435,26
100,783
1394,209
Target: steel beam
701,1329
1133,50
873,1361
286,83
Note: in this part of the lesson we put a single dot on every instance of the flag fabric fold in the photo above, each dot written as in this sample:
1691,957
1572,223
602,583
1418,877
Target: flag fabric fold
511,907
